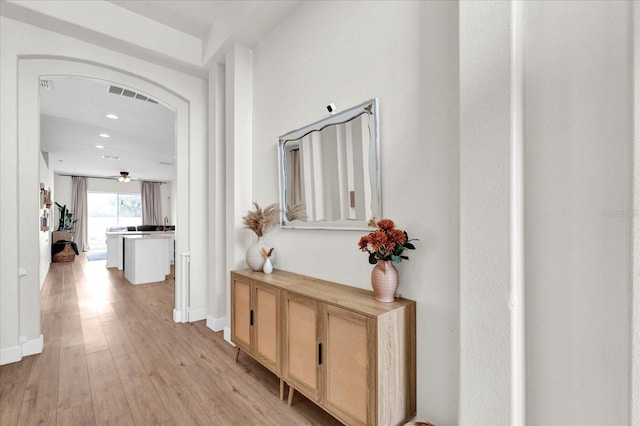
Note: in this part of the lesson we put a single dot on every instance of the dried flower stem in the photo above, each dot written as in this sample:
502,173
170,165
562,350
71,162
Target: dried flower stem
261,220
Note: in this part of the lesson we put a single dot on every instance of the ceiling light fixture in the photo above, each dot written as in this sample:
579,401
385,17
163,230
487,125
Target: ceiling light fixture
124,177
104,135
112,116
100,146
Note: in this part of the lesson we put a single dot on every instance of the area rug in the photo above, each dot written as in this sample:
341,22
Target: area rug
96,255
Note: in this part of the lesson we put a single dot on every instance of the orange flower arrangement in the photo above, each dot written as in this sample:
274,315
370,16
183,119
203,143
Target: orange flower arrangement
386,243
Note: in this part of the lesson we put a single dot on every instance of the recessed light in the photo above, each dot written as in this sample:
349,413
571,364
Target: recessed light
100,146
104,135
112,116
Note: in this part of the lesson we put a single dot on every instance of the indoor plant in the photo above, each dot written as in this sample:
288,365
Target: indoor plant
260,220
66,220
386,246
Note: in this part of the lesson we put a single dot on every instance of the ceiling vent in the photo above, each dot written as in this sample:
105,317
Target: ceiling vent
46,85
128,93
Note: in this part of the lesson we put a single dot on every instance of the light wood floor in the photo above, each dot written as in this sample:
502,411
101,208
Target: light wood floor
113,355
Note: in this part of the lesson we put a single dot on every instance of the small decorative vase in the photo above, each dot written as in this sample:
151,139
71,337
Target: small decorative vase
384,280
254,257
268,267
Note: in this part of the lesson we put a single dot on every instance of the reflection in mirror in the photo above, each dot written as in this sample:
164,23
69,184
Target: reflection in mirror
330,171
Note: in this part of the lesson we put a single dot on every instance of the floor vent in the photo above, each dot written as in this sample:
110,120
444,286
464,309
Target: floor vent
130,94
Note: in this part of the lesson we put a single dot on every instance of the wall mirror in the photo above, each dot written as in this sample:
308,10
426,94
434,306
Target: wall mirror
330,171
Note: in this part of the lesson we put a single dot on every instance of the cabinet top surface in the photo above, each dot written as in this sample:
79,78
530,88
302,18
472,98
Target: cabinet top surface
147,236
354,298
131,233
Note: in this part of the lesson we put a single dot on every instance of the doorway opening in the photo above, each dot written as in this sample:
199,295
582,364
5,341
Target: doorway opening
92,127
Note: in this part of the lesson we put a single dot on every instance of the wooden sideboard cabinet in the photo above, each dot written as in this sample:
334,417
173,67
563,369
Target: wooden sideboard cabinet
256,323
353,356
256,316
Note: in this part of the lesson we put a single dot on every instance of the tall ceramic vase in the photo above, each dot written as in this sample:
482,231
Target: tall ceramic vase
384,280
254,257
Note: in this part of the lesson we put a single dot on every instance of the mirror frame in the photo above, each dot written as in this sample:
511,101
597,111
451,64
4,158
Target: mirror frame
369,107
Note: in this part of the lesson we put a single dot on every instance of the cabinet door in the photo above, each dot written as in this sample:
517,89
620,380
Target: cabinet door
266,326
350,366
302,358
241,315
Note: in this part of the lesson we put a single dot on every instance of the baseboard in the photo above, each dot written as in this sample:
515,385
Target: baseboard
32,347
177,316
197,314
16,353
227,335
216,324
9,355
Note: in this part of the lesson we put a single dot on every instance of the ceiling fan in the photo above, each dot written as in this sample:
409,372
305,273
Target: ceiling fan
124,177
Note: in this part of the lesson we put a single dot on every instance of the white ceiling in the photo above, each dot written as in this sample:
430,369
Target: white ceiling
73,115
194,17
143,138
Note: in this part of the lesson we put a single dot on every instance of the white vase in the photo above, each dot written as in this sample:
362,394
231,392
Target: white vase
254,257
268,267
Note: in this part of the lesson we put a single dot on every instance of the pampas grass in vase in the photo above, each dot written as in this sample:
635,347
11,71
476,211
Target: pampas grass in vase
260,220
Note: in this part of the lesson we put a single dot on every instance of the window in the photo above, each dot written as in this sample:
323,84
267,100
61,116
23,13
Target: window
106,210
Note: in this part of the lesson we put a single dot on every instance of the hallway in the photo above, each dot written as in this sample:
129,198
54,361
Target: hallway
113,355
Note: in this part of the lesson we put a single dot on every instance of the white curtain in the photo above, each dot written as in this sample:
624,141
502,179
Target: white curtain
151,210
79,203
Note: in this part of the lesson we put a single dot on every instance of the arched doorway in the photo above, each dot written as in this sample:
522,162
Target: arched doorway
31,70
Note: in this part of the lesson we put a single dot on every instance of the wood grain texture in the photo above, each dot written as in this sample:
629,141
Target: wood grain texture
143,400
302,324
266,328
113,355
367,372
109,401
348,363
73,383
240,313
43,375
395,372
13,381
77,415
38,411
93,335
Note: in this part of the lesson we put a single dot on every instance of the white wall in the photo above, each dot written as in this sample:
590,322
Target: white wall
635,301
486,207
63,188
578,196
404,53
46,177
577,164
33,51
218,275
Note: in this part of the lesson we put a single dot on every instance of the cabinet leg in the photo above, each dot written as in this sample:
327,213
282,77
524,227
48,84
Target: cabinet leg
237,353
281,390
290,399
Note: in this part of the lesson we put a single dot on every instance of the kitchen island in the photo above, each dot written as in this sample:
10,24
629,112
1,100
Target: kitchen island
115,246
145,257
